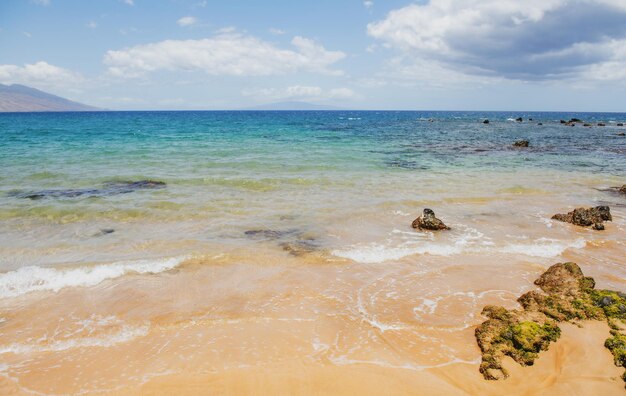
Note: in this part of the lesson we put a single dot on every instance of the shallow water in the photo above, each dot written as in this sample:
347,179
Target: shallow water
282,237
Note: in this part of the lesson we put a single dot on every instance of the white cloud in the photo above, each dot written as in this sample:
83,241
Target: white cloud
278,32
129,2
368,4
187,21
233,54
41,2
39,74
92,25
300,92
525,40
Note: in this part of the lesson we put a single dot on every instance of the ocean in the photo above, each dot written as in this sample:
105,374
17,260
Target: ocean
202,241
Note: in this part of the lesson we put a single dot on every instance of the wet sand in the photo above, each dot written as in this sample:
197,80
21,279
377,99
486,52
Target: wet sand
576,365
269,322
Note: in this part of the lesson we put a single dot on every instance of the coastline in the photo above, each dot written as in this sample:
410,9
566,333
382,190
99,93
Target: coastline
187,266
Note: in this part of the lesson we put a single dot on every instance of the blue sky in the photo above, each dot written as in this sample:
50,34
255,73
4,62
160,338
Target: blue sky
392,54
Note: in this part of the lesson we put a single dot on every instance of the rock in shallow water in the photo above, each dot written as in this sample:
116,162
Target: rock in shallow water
521,143
594,217
108,189
104,231
428,221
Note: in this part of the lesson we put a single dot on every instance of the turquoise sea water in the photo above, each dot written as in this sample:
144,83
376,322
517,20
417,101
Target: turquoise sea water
228,172
152,245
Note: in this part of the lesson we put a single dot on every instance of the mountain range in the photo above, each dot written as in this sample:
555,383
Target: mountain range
20,98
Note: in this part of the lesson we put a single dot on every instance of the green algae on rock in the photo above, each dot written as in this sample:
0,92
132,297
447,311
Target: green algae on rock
566,295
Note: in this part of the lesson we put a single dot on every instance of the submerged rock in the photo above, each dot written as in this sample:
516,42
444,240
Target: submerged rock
587,217
521,143
586,125
300,247
108,189
540,123
565,295
293,241
623,189
428,221
269,234
486,122
104,231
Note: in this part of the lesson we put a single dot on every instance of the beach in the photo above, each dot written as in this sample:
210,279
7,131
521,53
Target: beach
273,253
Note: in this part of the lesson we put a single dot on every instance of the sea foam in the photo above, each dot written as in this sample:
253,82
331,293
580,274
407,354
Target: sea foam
378,253
111,331
33,278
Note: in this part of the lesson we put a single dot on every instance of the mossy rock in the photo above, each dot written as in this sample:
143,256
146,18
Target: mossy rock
612,303
565,295
617,345
533,337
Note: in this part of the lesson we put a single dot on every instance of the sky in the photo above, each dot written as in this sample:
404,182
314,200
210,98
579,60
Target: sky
543,55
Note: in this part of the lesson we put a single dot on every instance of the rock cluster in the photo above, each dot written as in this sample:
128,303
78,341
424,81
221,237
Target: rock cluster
566,295
428,221
521,143
572,122
594,217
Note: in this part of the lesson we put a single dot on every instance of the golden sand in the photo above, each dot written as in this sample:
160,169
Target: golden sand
239,323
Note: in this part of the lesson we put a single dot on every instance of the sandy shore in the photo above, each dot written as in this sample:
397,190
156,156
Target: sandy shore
577,364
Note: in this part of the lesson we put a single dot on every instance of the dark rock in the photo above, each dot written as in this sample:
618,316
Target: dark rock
104,231
574,120
620,124
601,124
563,122
587,125
269,234
621,134
486,122
623,189
587,217
108,189
521,143
598,227
428,221
519,119
136,185
530,119
540,123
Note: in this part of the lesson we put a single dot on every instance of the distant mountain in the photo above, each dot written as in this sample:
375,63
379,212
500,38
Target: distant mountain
22,98
293,106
